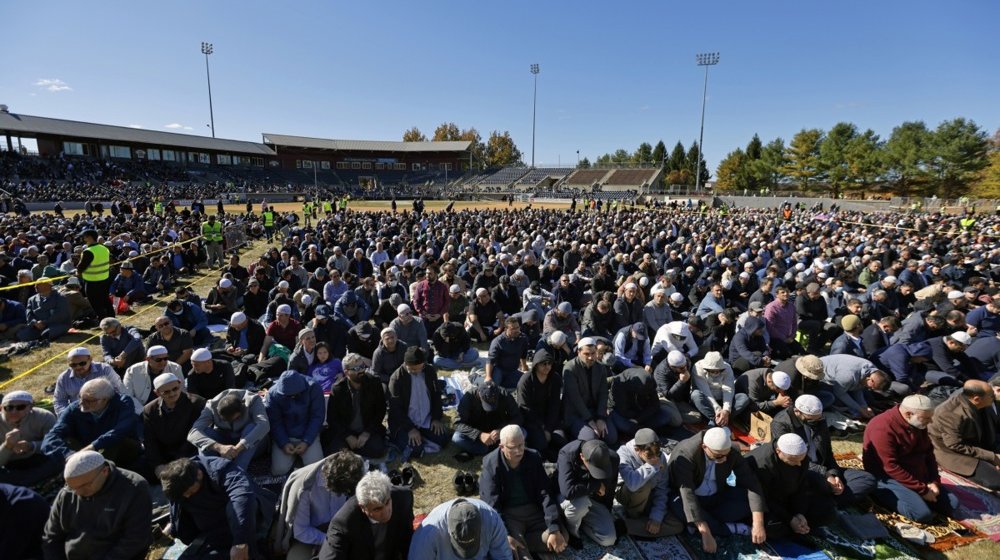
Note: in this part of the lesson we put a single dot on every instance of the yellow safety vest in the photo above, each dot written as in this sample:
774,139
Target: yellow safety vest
158,208
268,219
100,268
212,233
327,207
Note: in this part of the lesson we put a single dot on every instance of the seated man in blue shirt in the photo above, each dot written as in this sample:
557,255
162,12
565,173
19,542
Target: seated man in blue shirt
128,285
47,314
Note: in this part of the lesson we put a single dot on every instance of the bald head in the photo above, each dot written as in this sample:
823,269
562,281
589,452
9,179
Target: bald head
978,392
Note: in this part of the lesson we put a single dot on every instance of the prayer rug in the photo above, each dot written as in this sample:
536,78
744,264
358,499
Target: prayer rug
978,508
624,549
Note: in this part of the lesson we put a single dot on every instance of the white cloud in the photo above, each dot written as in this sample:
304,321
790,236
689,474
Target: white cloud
135,126
54,85
177,126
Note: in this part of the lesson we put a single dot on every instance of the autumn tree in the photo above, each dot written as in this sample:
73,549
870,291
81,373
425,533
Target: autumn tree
501,150
414,135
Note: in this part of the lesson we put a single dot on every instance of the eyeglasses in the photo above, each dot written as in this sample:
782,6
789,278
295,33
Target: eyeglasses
78,364
15,407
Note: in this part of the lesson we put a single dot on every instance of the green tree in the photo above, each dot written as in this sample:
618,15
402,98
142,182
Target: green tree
621,157
694,156
477,147
768,171
414,135
907,155
584,164
833,157
643,154
501,150
659,153
865,160
754,148
678,158
734,172
446,132
803,166
959,147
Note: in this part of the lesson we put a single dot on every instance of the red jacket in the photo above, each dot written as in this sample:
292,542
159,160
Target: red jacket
895,449
430,299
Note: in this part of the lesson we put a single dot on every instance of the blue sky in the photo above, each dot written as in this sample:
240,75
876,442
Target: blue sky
613,74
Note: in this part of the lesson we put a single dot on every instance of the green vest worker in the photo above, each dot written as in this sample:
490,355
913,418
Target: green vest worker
95,270
212,230
967,222
269,222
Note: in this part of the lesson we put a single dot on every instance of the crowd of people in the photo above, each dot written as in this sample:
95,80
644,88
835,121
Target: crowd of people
605,335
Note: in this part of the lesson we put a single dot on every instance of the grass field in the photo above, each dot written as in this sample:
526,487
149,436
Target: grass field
433,483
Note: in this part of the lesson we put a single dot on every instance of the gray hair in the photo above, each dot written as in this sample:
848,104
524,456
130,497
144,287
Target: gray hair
353,360
99,388
110,323
374,489
511,433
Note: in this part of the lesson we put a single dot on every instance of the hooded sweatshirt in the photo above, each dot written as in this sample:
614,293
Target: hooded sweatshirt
295,409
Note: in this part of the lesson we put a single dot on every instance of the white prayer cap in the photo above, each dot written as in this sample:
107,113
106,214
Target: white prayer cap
283,284
155,351
307,299
403,308
809,404
83,462
238,318
792,444
557,338
676,358
955,294
781,380
676,296
586,341
201,355
163,379
918,402
18,396
225,283
717,439
284,309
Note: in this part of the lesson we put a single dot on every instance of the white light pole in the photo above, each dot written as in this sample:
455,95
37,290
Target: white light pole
706,60
207,49
534,106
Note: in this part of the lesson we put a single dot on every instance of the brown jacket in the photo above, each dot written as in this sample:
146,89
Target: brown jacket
961,435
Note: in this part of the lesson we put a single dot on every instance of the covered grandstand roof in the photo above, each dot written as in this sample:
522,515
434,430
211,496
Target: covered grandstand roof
20,125
364,145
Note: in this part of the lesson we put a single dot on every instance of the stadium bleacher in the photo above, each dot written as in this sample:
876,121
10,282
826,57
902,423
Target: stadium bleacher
585,177
539,174
631,177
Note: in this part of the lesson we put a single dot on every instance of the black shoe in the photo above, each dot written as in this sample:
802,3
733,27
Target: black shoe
576,543
407,474
621,529
51,389
463,457
459,482
395,478
471,483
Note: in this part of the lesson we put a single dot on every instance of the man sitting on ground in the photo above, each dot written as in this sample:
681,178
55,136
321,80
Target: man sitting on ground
166,421
355,411
964,434
588,475
642,470
233,425
377,522
102,421
481,415
23,428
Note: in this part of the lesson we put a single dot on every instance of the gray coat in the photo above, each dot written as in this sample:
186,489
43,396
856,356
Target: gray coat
210,418
585,393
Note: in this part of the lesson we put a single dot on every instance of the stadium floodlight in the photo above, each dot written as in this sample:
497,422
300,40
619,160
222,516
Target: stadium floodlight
207,49
534,106
706,60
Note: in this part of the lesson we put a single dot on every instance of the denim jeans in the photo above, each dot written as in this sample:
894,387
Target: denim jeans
892,495
227,437
471,446
468,360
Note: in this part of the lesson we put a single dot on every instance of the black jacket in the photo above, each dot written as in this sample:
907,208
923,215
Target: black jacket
754,384
165,435
787,490
575,480
496,474
400,385
458,340
786,422
472,420
956,364
350,536
633,393
541,403
874,340
255,337
340,408
687,470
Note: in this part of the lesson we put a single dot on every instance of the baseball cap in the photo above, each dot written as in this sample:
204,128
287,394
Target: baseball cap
464,527
598,458
640,330
489,395
646,436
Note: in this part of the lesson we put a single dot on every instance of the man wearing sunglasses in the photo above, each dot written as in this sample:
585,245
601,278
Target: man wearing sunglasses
23,427
81,370
138,379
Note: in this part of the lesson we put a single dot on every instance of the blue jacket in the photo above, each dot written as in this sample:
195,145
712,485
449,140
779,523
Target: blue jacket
54,311
191,318
118,421
295,408
225,510
127,285
12,314
363,313
896,360
983,319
